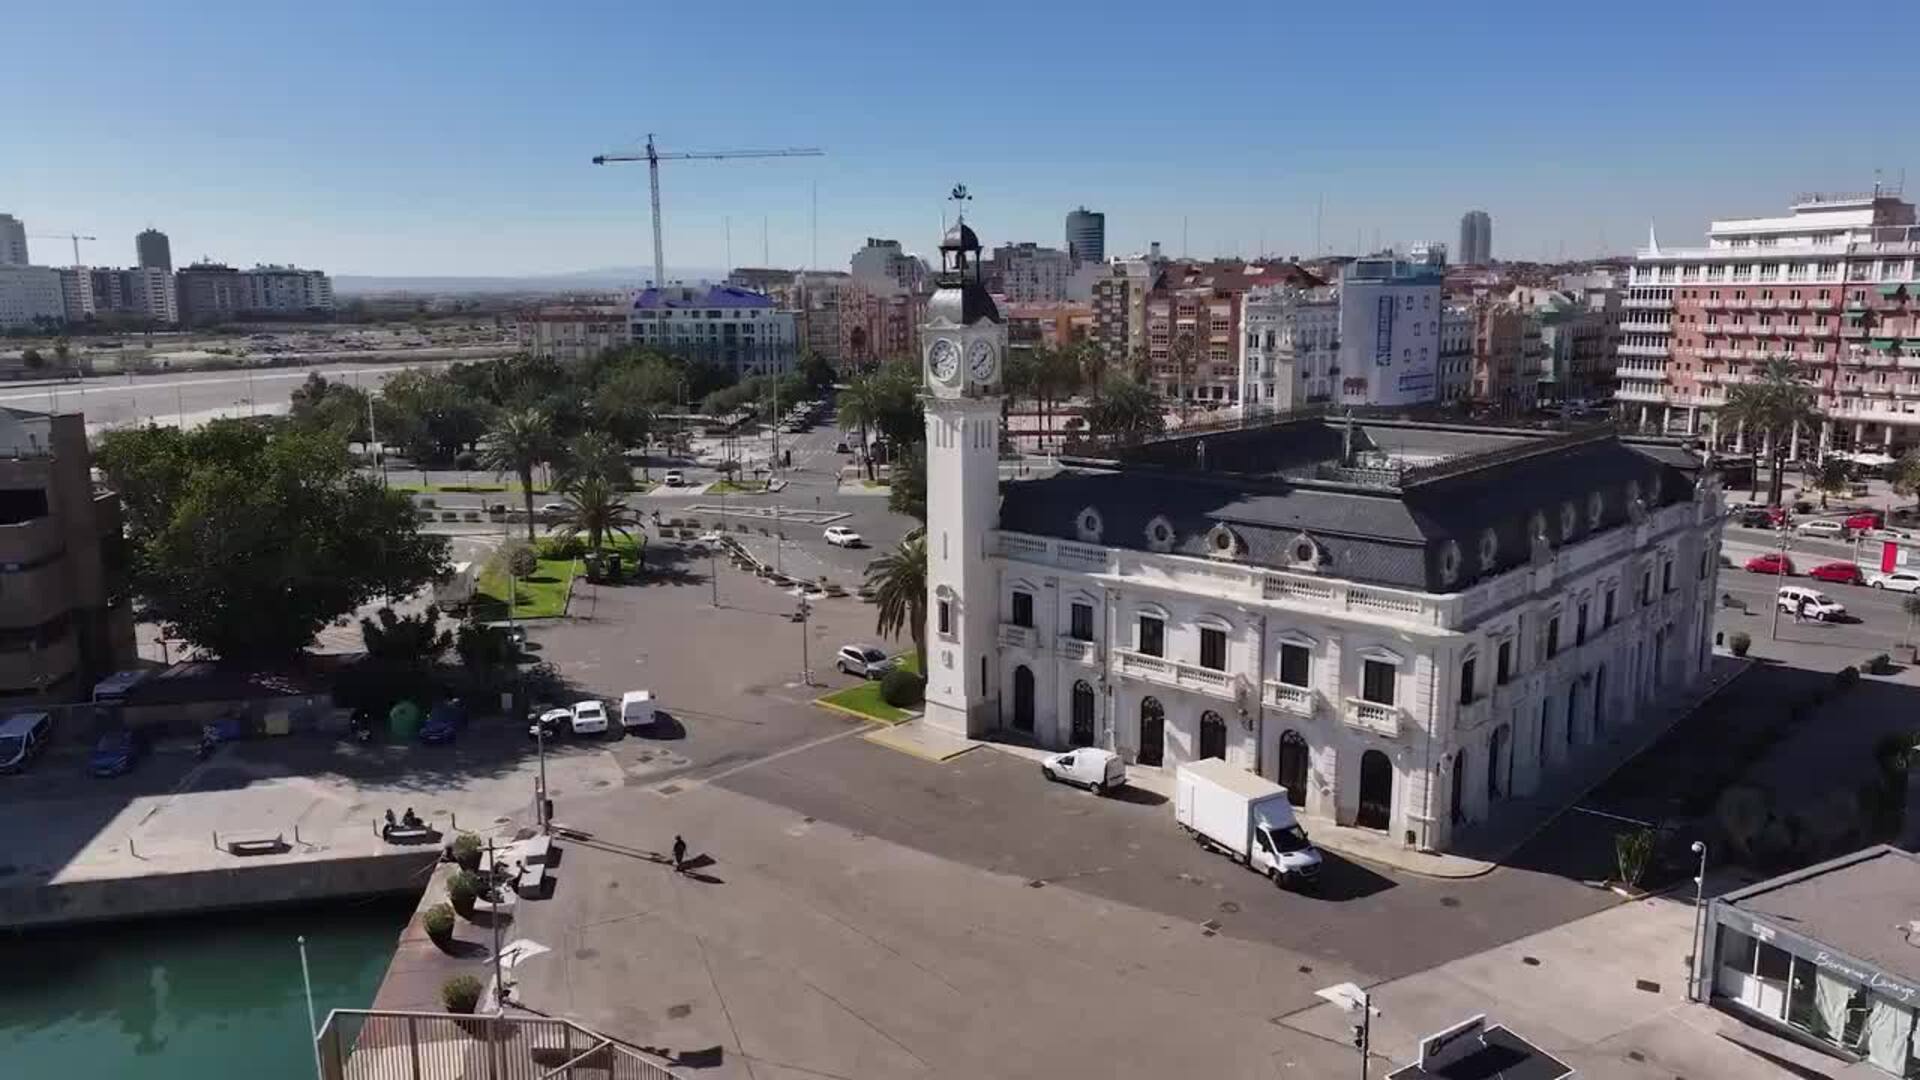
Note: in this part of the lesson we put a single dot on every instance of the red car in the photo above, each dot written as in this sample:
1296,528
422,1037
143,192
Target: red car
1840,573
1770,563
1869,519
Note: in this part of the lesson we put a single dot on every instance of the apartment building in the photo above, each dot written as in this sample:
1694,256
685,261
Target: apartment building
1291,355
210,292
1507,355
1120,309
1456,352
1046,325
880,326
1030,274
13,241
76,292
65,620
1194,325
737,328
31,294
1389,331
1578,335
1832,284
573,332
817,298
882,266
286,289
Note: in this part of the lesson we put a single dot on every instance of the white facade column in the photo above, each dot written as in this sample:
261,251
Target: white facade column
1666,419
1643,417
1793,445
1826,436
1713,430
1888,443
1740,437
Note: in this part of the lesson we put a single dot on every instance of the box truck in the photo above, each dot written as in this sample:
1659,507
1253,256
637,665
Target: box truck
1247,817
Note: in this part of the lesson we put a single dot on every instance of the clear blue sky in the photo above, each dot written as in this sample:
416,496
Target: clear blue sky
416,138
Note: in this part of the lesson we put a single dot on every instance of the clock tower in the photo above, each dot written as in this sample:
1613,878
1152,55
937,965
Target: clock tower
963,343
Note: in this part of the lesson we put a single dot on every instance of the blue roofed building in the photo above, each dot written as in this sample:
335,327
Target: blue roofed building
735,327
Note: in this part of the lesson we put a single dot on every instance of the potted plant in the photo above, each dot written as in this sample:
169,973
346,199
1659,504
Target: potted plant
466,851
439,925
461,994
1739,642
463,889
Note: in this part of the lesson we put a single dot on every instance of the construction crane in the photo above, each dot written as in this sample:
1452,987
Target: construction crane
653,157
75,237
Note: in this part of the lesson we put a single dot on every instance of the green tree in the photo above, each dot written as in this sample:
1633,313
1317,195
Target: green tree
1905,474
62,351
595,507
907,481
32,358
520,440
815,371
406,641
333,407
899,583
859,406
246,542
1834,477
1123,407
595,455
432,415
1770,407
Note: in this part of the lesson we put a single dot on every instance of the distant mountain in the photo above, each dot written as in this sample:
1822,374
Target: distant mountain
608,278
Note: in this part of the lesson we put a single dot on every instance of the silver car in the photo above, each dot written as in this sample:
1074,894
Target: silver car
864,661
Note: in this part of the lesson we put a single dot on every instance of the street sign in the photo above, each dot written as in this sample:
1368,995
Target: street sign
1443,1048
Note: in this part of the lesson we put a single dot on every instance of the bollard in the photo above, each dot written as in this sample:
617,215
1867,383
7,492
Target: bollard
130,848
296,833
216,839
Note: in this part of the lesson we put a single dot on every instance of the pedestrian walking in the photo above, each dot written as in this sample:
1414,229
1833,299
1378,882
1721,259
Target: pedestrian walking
679,852
1800,610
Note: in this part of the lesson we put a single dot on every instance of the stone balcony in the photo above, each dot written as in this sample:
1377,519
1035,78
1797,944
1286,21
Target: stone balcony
1474,713
1018,637
1077,651
1371,716
1163,672
1297,700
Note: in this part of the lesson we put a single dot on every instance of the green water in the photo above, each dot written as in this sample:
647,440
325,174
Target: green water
199,997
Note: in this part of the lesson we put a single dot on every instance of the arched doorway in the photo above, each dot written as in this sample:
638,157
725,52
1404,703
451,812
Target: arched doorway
1599,701
1082,714
1293,766
1022,698
1153,731
1499,759
1458,806
1213,735
1376,791
1573,714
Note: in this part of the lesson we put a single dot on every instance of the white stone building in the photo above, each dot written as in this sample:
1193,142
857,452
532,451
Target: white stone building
1291,350
883,268
1031,274
1404,625
737,328
1389,332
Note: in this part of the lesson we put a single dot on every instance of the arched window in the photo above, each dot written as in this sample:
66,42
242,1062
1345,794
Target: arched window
1213,735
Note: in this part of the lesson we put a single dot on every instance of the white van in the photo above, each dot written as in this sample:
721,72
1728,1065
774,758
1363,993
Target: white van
1248,817
1811,603
22,737
638,709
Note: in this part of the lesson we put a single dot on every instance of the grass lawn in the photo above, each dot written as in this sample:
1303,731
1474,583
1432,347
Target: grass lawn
542,596
864,697
738,487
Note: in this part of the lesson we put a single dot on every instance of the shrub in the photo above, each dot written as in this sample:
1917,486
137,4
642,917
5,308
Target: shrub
902,689
521,561
439,924
1740,642
461,994
466,461
561,547
1846,676
466,851
463,889
1632,851
1875,664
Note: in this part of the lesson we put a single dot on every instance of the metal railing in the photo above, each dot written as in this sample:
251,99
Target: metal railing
366,1044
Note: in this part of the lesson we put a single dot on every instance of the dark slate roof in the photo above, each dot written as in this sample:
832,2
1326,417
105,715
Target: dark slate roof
1375,533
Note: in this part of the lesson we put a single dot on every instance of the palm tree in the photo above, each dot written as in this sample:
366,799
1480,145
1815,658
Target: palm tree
595,454
1124,407
1777,400
596,508
859,407
899,583
1905,474
520,439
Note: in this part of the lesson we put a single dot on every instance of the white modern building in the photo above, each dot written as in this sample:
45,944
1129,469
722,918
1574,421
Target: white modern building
1404,625
1031,274
1291,349
286,289
883,268
13,241
737,328
151,290
1389,332
574,332
29,294
76,292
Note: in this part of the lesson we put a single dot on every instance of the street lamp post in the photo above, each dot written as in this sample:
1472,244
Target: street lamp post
313,1025
806,628
1694,974
1780,576
540,797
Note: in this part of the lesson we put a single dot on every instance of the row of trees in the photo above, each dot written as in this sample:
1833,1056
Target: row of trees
1777,401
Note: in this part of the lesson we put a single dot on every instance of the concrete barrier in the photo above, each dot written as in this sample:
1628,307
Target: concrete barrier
255,884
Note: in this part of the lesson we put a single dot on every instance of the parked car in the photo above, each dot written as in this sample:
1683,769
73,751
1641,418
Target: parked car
1826,527
1811,603
1865,519
1770,563
1838,573
864,661
22,737
674,478
1099,771
589,717
444,722
1754,518
117,752
550,724
1898,580
553,508
638,709
841,536
842,448
1248,817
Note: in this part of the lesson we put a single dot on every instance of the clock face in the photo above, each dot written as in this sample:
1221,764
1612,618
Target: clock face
943,359
981,361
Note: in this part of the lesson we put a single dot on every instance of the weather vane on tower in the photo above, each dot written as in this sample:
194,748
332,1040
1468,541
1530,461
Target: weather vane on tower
961,197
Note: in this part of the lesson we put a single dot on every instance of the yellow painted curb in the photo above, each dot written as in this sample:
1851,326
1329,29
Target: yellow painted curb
878,737
857,714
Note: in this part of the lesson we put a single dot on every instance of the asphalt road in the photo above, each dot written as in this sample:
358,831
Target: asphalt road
188,397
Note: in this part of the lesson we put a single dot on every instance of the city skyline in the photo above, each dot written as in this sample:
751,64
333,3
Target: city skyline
383,144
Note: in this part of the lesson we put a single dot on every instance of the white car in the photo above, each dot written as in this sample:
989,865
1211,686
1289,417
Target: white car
1099,771
553,508
1898,581
673,478
1821,527
712,538
841,536
863,660
1811,603
589,718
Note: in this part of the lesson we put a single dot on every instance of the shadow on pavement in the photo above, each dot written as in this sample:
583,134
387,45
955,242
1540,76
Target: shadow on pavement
1344,880
1138,796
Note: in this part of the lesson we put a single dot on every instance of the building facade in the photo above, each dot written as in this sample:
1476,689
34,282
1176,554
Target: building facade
1292,348
1405,627
76,292
1507,355
1834,285
13,241
31,294
1047,325
1120,310
884,268
1030,274
286,290
736,328
817,299
574,332
1389,332
65,616
1456,352
208,292
151,290
153,251
1086,236
1578,335
1476,238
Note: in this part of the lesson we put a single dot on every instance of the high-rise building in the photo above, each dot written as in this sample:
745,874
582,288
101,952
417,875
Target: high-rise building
31,294
882,266
1086,236
13,241
76,292
154,250
1120,310
1476,238
573,332
1389,332
1029,273
208,292
1834,284
287,289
